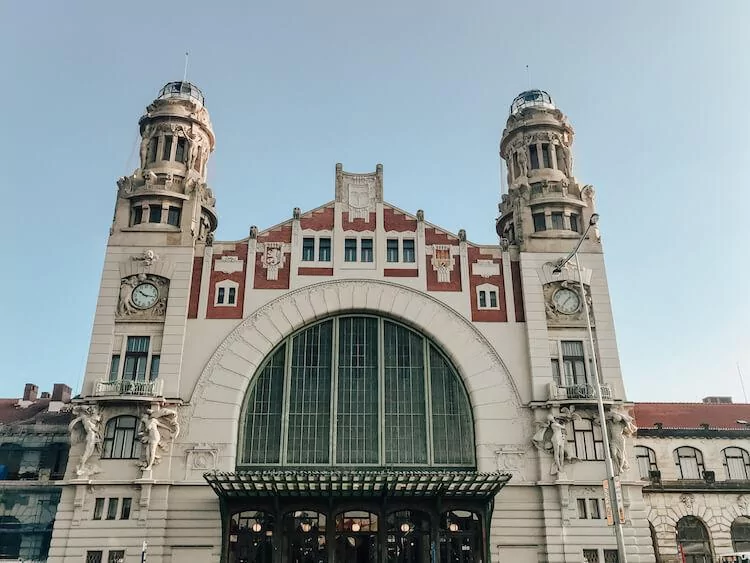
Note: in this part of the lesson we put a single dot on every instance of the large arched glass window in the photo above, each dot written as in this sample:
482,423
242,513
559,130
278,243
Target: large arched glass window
357,390
736,463
689,462
693,540
740,531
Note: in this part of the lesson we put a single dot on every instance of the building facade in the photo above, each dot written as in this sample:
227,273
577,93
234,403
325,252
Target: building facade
354,382
33,455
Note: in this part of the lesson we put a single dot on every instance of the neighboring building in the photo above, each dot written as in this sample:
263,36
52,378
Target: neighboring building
352,383
696,460
33,455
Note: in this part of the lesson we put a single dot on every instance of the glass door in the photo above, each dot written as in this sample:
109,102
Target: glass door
356,537
305,537
251,537
460,537
408,537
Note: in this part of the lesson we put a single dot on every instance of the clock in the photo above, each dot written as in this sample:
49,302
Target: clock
145,295
566,301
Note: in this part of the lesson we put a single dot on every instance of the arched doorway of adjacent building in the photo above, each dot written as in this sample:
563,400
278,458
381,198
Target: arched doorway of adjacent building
740,531
693,540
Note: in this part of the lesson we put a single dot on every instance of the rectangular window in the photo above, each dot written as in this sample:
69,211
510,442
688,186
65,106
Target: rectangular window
112,508
611,556
350,250
180,152
591,555
391,254
98,508
220,297
167,152
232,295
546,157
324,249
136,215
93,557
152,146
540,222
594,508
135,358
557,221
482,299
116,556
534,155
173,216
556,370
586,440
114,367
582,513
154,213
366,249
125,511
308,249
154,372
493,299
573,362
408,254
574,222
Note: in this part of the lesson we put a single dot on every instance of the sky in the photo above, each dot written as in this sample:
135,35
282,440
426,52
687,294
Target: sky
656,91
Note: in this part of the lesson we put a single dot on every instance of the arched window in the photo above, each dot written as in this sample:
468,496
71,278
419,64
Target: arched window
741,534
693,540
646,459
251,537
689,462
357,390
120,438
736,463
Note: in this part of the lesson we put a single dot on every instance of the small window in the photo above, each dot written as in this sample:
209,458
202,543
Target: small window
591,555
112,508
152,146
166,154
154,372
573,362
540,222
366,250
646,460
125,511
93,557
154,213
557,221
98,508
308,249
116,556
392,250
546,156
136,215
556,370
180,152
173,216
534,155
487,297
737,463
350,250
408,254
611,556
136,356
482,299
232,295
574,222
114,367
221,296
493,299
586,440
324,249
582,509
594,509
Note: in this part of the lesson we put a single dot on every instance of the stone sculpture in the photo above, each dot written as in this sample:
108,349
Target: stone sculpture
523,162
552,437
90,421
619,425
151,435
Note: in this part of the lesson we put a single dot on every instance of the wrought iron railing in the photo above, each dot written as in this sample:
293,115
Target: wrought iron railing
128,387
579,391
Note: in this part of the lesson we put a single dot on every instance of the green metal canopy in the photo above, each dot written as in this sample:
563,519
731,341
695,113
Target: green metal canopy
450,484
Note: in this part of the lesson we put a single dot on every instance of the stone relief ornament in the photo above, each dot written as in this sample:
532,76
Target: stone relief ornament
89,419
153,422
420,215
273,258
551,437
743,501
619,426
511,459
143,297
442,262
201,457
148,257
688,499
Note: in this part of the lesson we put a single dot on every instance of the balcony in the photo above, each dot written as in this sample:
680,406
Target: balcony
579,391
123,388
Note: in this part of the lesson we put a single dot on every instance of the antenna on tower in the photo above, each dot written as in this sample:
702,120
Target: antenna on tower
742,382
184,74
528,76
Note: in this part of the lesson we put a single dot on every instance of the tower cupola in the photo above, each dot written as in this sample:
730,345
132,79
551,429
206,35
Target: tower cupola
544,200
176,141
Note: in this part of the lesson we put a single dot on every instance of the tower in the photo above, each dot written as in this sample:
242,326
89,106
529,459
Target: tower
545,208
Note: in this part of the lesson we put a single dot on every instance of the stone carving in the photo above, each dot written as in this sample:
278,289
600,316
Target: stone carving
90,421
148,257
619,425
253,232
359,193
461,235
126,308
202,457
485,268
193,148
511,459
688,499
523,162
153,421
169,181
743,501
229,264
420,215
150,178
442,262
296,212
551,437
273,259
145,140
126,185
558,318
567,160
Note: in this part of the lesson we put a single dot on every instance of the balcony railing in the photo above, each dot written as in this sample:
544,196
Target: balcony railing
577,391
128,387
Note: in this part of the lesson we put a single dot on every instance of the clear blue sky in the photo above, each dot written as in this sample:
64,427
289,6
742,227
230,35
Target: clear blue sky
657,92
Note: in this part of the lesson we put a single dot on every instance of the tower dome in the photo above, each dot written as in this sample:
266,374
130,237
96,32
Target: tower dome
532,98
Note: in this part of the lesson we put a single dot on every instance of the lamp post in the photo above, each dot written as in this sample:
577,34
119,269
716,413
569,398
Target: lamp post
559,265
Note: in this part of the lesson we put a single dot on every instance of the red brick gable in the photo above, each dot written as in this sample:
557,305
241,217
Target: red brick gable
691,415
398,221
320,219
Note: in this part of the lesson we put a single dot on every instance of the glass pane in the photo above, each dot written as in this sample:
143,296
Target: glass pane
263,420
310,396
308,249
452,431
539,222
366,245
324,250
357,425
167,152
138,343
409,250
392,250
114,367
350,250
405,418
155,360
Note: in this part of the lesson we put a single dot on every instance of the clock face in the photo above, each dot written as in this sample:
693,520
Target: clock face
145,295
566,301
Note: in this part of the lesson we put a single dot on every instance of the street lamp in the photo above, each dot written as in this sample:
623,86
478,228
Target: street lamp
559,265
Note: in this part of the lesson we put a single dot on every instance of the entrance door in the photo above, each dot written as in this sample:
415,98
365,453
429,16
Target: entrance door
305,537
251,537
356,537
460,537
408,538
